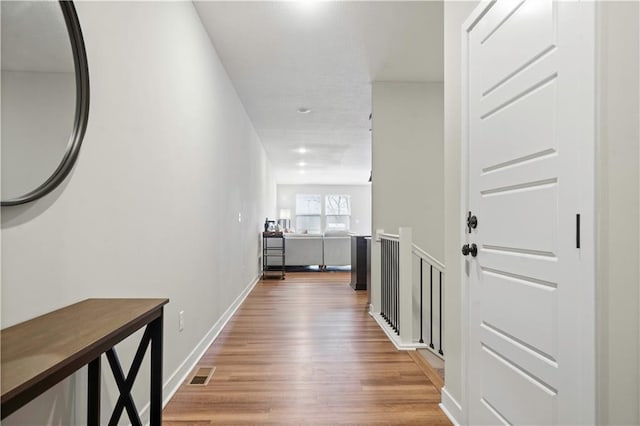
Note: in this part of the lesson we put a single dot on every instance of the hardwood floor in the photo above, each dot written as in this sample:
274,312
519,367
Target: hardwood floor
305,350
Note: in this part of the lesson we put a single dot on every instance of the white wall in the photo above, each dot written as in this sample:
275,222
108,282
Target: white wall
151,210
407,164
407,150
38,111
360,202
618,306
455,13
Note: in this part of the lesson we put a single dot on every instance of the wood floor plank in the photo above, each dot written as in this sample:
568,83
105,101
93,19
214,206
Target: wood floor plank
304,350
428,370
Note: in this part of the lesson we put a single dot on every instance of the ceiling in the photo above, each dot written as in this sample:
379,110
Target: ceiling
321,55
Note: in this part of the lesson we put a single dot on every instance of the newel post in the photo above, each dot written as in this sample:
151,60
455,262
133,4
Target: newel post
376,279
405,296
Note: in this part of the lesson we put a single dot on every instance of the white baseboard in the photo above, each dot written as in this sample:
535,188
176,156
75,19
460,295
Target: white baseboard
172,384
393,337
451,407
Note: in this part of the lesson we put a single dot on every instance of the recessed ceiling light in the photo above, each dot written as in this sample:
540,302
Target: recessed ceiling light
302,150
303,110
302,164
307,5
301,172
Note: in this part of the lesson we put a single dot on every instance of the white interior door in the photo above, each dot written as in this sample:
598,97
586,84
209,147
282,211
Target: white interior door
530,144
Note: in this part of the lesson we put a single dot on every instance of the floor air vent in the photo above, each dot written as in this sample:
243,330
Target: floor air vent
202,376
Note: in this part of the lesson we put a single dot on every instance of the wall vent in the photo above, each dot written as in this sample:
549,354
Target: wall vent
202,376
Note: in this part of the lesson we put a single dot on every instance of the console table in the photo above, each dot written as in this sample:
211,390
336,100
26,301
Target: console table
41,352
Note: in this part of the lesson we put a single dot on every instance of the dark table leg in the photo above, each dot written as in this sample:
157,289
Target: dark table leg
93,406
156,371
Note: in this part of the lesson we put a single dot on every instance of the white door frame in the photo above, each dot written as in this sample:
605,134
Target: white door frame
588,223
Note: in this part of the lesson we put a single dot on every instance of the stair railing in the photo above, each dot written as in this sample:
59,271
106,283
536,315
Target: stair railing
400,303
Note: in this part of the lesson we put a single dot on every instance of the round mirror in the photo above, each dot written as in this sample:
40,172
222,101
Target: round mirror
45,97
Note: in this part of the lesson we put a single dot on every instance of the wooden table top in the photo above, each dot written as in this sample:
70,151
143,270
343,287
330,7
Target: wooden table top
42,351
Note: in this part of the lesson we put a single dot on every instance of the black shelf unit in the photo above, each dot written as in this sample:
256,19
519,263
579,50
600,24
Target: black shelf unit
273,246
359,262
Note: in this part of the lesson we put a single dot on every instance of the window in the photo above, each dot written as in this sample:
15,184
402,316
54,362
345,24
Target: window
308,211
338,212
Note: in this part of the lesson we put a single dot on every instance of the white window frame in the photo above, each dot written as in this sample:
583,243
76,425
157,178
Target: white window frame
307,213
343,214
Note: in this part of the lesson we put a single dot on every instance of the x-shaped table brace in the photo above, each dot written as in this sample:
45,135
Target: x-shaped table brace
152,335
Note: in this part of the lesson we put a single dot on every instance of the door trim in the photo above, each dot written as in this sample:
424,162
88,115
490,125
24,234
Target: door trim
588,134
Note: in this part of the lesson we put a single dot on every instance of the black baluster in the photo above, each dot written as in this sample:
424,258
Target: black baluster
387,288
431,307
386,282
389,265
421,341
395,288
397,269
393,284
393,280
382,277
390,272
440,315
389,281
388,310
386,270
383,271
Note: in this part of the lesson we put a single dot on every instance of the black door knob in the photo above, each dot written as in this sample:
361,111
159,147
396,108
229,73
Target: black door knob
472,222
470,249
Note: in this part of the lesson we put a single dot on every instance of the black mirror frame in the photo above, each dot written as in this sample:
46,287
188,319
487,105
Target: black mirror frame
81,113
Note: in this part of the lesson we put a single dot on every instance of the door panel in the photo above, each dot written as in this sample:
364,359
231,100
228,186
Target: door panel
531,224
539,167
533,267
518,396
531,315
509,141
530,359
512,34
527,105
